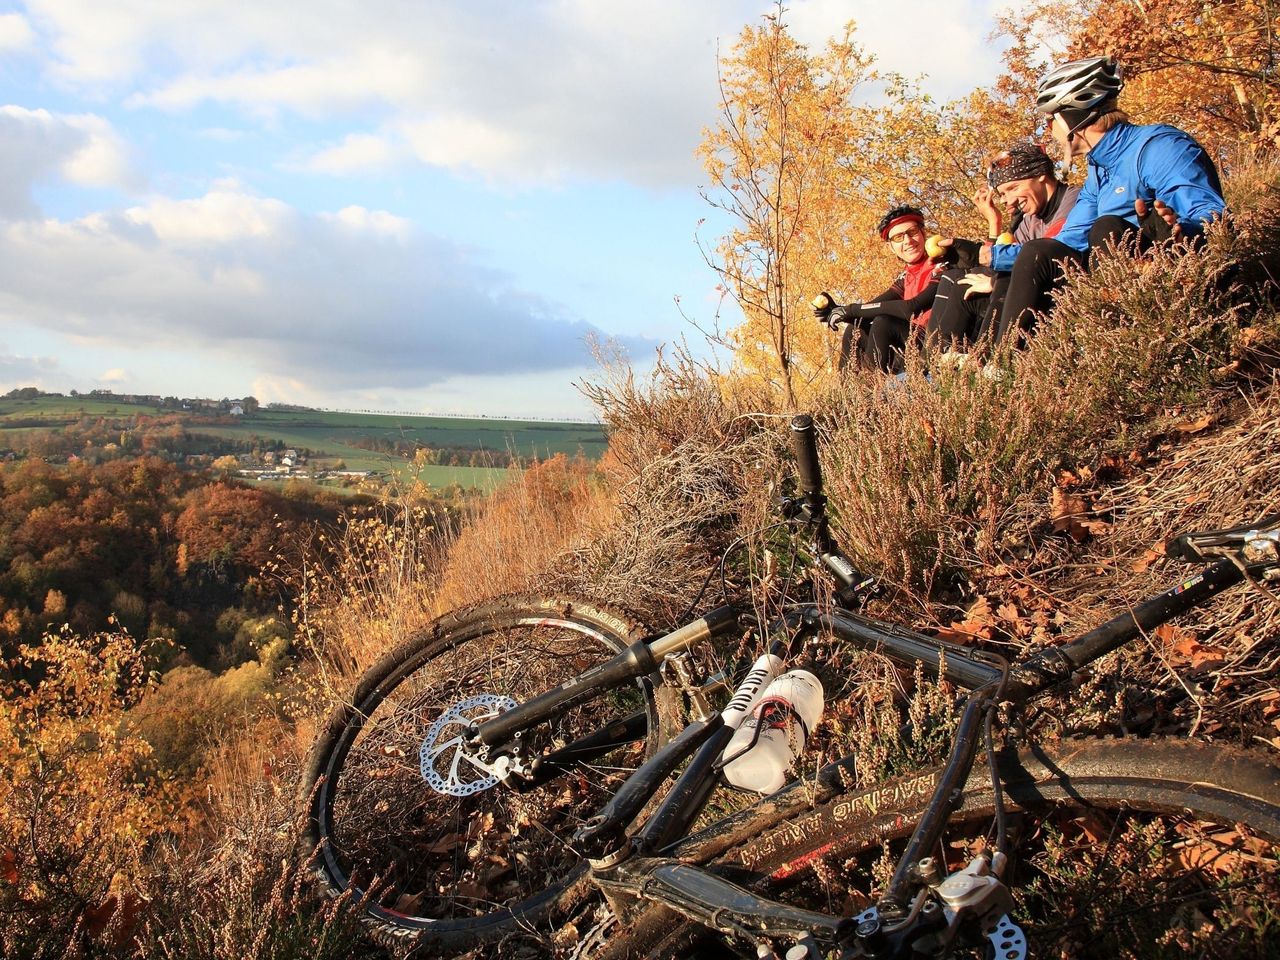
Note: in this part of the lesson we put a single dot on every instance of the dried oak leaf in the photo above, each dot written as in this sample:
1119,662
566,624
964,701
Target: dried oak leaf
1270,704
1182,645
1071,515
1149,556
1223,851
976,625
1197,425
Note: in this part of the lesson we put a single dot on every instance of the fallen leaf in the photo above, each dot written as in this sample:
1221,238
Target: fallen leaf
409,903
446,844
1222,851
1149,556
1201,656
1071,515
1195,426
976,625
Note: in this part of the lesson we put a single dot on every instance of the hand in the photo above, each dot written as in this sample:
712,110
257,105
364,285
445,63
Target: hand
977,284
822,307
984,255
842,314
984,199
1164,212
938,247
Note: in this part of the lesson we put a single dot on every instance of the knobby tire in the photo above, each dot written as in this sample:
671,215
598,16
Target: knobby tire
449,874
1201,820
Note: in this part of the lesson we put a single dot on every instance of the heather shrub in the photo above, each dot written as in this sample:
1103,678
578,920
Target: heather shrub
238,890
932,474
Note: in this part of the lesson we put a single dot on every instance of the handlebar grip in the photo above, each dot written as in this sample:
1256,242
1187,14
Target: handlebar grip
805,442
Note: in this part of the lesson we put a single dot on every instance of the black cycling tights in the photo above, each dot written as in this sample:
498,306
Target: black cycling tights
1039,271
960,322
880,342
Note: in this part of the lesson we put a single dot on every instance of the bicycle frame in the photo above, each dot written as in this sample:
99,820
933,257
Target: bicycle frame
633,866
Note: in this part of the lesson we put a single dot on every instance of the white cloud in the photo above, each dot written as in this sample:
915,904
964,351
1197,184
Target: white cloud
103,159
944,40
220,217
115,375
357,153
466,143
377,222
573,87
533,91
24,371
15,33
351,300
41,146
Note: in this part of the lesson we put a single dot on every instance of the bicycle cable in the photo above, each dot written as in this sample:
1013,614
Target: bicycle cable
997,791
719,567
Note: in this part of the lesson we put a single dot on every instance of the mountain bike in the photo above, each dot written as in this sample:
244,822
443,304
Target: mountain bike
494,774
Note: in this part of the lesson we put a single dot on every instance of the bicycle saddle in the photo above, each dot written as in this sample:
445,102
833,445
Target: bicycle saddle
1254,543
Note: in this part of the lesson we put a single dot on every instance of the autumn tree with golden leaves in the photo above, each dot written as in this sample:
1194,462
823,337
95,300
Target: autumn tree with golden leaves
1207,66
773,159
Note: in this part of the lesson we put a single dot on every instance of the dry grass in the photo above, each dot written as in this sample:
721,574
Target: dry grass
239,894
518,534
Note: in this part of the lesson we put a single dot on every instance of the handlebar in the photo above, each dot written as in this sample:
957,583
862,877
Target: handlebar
804,440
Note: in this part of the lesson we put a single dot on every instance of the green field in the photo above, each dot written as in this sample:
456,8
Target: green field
332,436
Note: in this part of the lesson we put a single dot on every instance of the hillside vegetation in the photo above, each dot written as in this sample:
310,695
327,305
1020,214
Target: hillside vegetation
1010,512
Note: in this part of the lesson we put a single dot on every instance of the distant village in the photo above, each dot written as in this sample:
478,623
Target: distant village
260,464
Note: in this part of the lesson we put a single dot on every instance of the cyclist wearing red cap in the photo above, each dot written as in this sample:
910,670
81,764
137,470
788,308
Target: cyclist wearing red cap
891,319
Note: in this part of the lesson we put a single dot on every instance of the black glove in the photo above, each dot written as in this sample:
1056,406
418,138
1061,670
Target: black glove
846,313
822,307
965,253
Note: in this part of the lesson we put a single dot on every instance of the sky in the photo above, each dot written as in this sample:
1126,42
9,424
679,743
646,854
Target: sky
401,205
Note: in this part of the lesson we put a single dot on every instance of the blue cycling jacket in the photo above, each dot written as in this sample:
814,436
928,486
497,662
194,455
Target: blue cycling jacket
1152,162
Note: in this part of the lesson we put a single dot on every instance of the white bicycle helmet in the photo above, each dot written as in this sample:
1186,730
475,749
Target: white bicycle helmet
1079,85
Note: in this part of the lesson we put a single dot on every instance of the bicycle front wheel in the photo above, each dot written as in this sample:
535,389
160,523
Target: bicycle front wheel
1122,849
440,851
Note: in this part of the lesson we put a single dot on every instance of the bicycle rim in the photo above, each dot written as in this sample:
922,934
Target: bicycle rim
1122,849
462,870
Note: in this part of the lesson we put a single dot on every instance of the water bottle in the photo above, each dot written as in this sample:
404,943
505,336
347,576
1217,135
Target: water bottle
780,723
752,688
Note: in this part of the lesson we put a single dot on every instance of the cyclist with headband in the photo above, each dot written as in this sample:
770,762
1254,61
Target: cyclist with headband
1144,184
901,312
1021,179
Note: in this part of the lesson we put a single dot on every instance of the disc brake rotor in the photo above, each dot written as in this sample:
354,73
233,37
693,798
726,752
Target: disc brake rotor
445,760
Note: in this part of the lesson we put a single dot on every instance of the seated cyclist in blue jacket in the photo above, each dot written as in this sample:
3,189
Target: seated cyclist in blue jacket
1144,184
